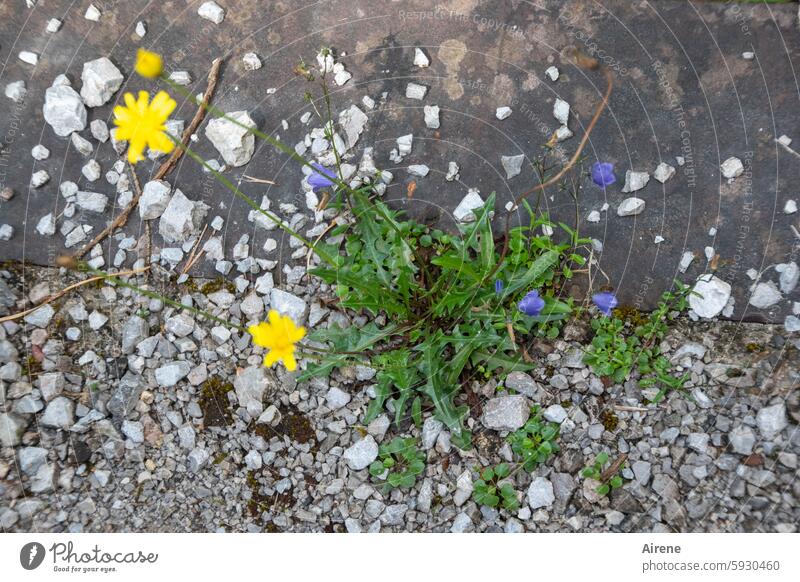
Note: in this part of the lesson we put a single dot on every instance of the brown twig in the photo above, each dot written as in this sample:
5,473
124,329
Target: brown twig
66,290
165,168
613,468
584,63
213,76
194,255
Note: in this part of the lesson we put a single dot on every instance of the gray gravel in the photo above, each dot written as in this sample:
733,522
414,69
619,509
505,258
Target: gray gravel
155,423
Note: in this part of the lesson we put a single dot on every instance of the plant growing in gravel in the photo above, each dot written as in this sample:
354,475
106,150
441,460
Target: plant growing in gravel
455,303
536,441
609,481
619,347
493,489
400,462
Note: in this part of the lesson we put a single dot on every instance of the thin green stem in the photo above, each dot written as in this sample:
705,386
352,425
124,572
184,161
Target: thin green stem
252,203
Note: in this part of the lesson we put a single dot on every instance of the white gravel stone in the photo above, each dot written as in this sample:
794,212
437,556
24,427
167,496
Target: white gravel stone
631,207
420,58
250,385
416,91
64,110
710,296
99,130
772,420
11,429
732,168
336,398
464,212
512,165
742,440
92,13
286,303
91,171
60,413
540,493
635,180
16,91
171,373
101,79
233,142
182,78
663,172
552,73
352,121
39,179
29,57
46,225
420,170
181,218
198,459
211,11
789,276
506,413
141,29
251,62
431,116
555,413
790,207
53,25
91,201
360,454
502,113
561,111
154,200
765,295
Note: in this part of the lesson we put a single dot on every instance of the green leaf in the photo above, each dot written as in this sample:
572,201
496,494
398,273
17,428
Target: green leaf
534,276
616,482
603,489
602,458
502,470
487,475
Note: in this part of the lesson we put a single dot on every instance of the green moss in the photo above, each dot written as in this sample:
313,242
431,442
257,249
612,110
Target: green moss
217,285
631,315
33,367
214,402
609,420
753,347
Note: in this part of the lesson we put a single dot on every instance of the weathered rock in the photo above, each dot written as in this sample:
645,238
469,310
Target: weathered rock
181,218
352,121
172,372
60,413
464,212
286,303
635,181
101,79
710,296
512,165
250,385
772,420
765,295
64,110
11,429
506,413
232,141
540,493
154,199
361,453
631,207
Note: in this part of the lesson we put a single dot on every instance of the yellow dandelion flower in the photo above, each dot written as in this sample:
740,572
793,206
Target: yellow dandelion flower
279,336
142,123
148,64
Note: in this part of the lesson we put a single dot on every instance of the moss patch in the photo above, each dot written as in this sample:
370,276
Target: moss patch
214,402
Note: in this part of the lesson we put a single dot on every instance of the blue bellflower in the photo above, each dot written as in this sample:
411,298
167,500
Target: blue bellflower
498,286
603,174
321,178
531,304
605,301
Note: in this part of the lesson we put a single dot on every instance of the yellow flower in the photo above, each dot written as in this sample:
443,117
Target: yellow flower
148,64
141,123
279,336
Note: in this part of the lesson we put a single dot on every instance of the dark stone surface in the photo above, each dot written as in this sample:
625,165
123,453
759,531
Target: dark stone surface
682,88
